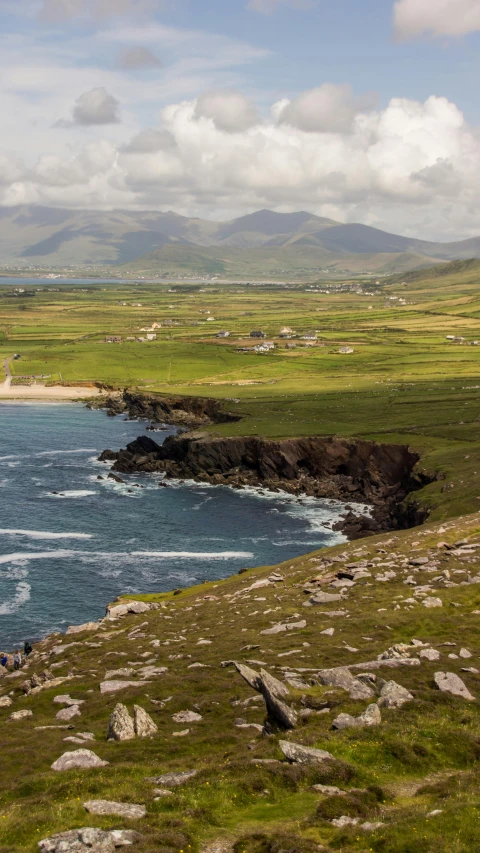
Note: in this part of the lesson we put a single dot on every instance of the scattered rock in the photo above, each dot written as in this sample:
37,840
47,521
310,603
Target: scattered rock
432,602
298,754
78,759
370,717
430,654
5,701
464,653
107,807
120,725
344,820
65,699
89,840
173,780
393,695
117,610
449,682
20,715
186,717
67,714
79,629
325,598
329,790
114,686
343,678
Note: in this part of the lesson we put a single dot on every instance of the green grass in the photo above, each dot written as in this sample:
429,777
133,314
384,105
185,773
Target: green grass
423,757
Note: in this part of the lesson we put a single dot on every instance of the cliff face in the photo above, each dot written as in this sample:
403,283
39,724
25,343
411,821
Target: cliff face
191,412
324,467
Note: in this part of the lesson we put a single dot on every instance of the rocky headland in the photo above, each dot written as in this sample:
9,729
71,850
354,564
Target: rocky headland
381,475
186,412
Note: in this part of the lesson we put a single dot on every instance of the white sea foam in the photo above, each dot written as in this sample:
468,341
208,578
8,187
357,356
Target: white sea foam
22,557
195,555
41,534
75,493
67,452
22,595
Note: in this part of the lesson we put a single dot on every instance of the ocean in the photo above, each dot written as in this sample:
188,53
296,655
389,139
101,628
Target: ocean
71,542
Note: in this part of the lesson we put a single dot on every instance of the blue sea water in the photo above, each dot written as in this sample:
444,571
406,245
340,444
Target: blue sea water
64,556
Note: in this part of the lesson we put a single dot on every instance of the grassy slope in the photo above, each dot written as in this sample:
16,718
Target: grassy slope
277,262
422,757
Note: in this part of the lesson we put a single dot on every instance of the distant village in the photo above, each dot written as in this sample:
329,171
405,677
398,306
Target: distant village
256,341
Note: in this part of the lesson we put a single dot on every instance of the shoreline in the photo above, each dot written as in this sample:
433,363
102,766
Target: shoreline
42,393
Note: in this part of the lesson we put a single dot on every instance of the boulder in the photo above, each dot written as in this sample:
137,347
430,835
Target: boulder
20,715
78,759
430,654
449,682
432,602
79,629
298,754
107,807
393,695
325,598
5,701
120,724
344,721
65,699
186,717
89,840
143,723
173,780
114,686
370,717
67,714
343,678
116,610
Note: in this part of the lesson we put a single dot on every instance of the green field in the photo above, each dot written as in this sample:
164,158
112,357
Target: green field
404,381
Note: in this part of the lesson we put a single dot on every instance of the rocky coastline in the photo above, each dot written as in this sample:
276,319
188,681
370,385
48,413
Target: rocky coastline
183,412
383,476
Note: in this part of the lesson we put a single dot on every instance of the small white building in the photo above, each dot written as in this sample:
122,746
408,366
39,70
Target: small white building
267,346
346,350
151,337
223,335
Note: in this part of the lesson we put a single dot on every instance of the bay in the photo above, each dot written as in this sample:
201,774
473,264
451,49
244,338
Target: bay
70,542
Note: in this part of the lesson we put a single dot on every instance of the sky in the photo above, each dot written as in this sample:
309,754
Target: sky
358,110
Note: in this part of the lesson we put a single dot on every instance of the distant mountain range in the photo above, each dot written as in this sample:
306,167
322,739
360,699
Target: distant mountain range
261,243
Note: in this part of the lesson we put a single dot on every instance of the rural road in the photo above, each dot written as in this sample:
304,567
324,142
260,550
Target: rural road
8,381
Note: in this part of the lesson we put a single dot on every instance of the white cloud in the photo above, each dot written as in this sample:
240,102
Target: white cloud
96,107
139,56
414,18
149,141
229,110
329,108
412,167
268,7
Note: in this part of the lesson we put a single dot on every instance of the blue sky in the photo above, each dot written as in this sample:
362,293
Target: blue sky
363,111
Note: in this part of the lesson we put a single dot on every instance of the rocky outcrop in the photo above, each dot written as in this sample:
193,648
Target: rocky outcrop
191,412
356,470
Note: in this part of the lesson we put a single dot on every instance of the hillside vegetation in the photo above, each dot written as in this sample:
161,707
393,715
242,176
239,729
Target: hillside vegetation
402,609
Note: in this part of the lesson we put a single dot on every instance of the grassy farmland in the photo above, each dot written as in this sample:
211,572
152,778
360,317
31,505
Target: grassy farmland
403,382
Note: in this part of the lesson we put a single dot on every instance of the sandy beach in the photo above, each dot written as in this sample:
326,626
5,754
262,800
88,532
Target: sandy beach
40,391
